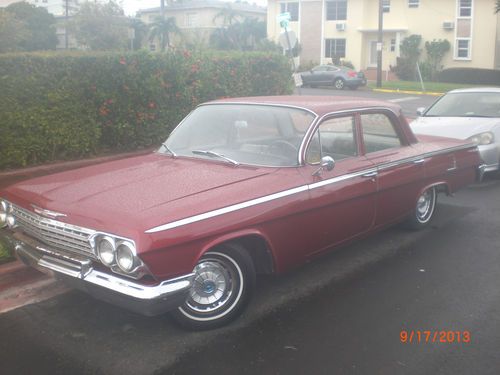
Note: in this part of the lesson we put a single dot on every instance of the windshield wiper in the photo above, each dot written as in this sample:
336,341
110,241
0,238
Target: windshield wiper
215,155
168,149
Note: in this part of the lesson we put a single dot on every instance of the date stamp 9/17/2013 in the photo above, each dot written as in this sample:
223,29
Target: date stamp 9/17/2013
434,336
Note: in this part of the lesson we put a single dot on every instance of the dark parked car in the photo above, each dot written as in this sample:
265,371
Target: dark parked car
242,186
339,77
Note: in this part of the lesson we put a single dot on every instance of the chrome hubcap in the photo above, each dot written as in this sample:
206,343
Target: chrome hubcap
425,205
212,288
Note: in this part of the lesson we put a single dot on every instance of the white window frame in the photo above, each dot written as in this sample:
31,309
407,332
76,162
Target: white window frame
457,49
413,3
335,43
460,7
386,6
191,19
393,45
337,11
286,4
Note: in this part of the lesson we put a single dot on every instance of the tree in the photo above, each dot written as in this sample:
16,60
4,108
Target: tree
39,25
435,53
12,32
406,65
497,7
228,15
141,30
246,34
161,29
100,26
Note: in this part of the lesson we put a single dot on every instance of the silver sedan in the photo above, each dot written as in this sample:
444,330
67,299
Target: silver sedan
468,114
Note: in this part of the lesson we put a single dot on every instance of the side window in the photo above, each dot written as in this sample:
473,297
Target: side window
335,137
378,132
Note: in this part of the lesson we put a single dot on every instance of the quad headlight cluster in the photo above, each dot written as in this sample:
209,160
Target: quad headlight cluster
119,254
7,217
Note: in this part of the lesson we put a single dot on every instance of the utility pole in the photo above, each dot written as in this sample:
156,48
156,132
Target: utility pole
66,16
380,41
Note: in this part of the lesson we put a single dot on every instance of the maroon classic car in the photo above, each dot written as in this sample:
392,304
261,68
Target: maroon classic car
241,187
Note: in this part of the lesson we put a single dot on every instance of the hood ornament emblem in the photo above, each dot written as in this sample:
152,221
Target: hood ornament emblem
47,213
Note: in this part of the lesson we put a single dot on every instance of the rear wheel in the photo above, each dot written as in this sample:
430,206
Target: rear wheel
223,284
424,209
339,84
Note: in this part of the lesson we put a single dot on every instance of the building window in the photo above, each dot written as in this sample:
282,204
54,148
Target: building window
393,45
386,6
413,3
464,8
463,48
191,19
336,10
292,8
335,48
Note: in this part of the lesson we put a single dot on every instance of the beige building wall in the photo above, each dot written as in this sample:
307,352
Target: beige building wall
401,21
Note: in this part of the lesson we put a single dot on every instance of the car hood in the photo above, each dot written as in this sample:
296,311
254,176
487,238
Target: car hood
454,127
134,188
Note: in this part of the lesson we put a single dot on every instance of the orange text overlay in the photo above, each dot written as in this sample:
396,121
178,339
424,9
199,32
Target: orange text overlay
447,337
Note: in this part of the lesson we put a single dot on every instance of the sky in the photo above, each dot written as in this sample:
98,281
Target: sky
132,6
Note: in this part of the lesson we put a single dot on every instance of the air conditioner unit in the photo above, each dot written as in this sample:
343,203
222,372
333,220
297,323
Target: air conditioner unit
340,26
448,25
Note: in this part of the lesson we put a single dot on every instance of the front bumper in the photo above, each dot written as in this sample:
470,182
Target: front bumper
490,154
78,272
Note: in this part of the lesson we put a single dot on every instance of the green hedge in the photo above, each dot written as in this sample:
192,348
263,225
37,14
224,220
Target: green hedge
64,106
473,76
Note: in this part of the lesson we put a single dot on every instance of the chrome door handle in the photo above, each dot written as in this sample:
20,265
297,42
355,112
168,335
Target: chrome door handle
419,161
370,174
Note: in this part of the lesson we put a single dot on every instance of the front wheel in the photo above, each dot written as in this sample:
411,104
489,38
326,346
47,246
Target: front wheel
424,209
223,283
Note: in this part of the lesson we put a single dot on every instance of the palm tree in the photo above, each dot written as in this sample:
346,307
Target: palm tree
228,15
161,29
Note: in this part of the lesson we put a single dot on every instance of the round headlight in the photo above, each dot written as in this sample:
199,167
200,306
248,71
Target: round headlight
4,208
106,250
125,256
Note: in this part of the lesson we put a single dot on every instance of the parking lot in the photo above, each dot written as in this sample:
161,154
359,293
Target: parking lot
341,314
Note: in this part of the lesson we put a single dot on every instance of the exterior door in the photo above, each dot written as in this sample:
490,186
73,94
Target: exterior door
400,171
342,200
372,56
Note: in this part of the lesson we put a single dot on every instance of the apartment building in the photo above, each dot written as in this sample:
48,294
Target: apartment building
348,29
197,19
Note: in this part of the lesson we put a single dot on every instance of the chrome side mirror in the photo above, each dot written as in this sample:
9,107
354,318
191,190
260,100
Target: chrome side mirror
327,163
420,111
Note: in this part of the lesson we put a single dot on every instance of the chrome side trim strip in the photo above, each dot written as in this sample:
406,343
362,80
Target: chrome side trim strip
228,209
370,171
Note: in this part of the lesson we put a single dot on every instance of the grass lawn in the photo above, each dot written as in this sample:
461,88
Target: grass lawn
415,86
4,254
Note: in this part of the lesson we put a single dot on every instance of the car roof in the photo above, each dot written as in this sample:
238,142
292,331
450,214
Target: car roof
320,105
476,89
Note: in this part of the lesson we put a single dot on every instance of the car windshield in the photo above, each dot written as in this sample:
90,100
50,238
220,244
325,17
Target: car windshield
241,134
467,104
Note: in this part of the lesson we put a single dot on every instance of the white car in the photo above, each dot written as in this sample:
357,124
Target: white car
467,114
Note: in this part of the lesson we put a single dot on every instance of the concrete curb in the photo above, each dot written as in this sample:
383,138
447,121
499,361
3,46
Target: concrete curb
430,93
21,285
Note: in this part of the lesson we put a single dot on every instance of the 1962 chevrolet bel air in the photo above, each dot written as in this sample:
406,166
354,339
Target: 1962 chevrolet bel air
241,187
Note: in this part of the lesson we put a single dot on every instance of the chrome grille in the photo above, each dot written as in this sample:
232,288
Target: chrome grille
54,233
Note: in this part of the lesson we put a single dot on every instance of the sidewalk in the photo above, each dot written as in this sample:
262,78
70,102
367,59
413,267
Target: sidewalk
21,285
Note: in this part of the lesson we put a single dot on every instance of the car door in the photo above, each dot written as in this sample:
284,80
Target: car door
400,171
318,74
342,200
